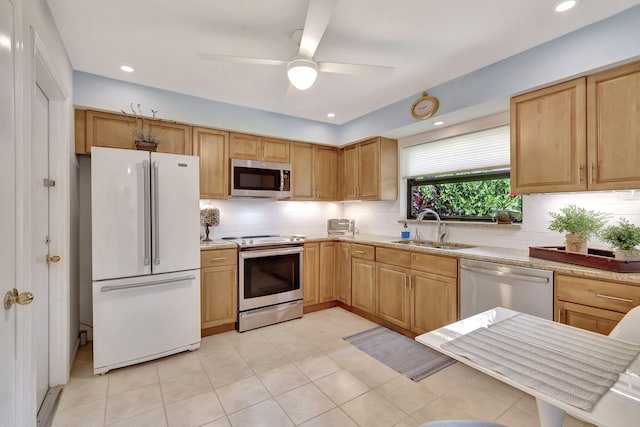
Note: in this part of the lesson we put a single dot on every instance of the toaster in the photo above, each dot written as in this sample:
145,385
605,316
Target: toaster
341,227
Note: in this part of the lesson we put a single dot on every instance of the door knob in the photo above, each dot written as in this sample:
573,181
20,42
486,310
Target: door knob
54,258
13,297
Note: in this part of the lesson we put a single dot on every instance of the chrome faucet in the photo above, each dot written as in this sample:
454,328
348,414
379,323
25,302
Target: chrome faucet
442,227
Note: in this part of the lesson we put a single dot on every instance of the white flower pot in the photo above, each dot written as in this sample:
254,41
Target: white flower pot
627,255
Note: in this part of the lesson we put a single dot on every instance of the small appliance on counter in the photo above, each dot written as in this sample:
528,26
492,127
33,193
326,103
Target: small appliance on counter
341,227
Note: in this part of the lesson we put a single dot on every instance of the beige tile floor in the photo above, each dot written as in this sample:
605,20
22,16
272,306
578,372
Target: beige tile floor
296,373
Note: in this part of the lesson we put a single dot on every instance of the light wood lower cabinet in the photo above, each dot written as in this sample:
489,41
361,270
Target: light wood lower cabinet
416,291
311,273
363,278
218,287
393,294
592,304
327,274
343,272
319,272
434,301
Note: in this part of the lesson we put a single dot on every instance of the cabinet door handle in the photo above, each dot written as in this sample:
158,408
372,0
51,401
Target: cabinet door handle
358,252
614,298
264,152
590,173
559,315
217,259
580,167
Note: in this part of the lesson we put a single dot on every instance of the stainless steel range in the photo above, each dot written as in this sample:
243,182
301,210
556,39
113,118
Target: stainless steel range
269,279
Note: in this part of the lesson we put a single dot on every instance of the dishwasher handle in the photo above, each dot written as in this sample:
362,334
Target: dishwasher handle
498,273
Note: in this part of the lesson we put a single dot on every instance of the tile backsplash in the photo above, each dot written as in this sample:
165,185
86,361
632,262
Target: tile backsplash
255,216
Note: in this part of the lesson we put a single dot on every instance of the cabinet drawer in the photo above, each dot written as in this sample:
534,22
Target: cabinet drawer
597,293
393,257
445,266
363,251
216,257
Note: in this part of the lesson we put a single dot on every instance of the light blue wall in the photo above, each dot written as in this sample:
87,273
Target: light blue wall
610,41
482,92
94,91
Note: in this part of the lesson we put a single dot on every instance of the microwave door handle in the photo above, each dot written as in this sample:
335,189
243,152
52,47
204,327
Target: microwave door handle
281,179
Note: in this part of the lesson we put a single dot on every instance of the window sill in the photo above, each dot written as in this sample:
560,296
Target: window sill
475,224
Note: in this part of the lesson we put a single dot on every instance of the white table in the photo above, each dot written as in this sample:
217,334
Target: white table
612,409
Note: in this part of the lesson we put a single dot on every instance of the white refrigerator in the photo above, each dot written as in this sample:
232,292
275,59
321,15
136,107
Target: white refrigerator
145,226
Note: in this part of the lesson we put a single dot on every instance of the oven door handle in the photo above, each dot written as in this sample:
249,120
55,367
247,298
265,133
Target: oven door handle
258,253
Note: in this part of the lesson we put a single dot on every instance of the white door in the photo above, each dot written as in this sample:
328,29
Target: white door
7,218
119,237
40,238
176,212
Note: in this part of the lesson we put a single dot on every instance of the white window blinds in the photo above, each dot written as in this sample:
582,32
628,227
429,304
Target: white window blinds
485,149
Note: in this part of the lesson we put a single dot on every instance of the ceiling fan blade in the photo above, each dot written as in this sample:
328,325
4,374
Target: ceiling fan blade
355,69
318,16
240,59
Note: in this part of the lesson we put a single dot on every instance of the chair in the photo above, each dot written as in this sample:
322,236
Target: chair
462,423
628,329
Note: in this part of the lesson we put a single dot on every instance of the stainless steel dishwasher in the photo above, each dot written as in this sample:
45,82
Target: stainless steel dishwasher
484,285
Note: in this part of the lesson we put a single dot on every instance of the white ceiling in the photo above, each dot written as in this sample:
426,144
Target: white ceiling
427,41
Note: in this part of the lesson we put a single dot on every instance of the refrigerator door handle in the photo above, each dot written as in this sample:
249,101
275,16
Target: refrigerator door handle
110,288
155,224
147,211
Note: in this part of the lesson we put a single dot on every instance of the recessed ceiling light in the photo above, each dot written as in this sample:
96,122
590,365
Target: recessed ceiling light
439,123
565,5
126,68
331,115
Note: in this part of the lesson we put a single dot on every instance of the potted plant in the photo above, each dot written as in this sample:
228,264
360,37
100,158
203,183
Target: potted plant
579,224
624,238
507,207
144,138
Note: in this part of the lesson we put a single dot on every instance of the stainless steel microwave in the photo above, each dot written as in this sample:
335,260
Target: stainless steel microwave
253,178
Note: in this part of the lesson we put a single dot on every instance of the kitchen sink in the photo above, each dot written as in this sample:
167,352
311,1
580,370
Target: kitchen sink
432,244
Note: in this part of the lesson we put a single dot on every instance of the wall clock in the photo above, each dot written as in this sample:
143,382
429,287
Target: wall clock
424,107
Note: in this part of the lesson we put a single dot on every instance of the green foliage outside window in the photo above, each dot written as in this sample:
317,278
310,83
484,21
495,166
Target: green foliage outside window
474,197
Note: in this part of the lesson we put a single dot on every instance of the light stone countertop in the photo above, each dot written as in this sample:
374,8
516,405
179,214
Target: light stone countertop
516,257
217,244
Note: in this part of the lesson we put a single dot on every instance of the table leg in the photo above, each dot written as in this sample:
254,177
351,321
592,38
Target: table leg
550,416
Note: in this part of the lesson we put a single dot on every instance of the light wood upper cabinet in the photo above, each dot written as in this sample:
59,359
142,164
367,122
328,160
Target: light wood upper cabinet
579,135
311,273
370,170
100,129
592,304
302,171
212,146
325,172
175,138
350,156
548,139
613,132
218,287
275,150
108,130
343,272
314,172
255,147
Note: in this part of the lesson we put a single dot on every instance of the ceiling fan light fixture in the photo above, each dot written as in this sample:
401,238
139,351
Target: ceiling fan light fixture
302,73
563,6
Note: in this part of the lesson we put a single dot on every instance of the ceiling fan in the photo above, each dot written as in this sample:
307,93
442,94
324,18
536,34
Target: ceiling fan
302,69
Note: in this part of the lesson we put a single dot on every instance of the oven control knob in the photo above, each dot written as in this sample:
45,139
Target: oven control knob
243,242
251,242
292,239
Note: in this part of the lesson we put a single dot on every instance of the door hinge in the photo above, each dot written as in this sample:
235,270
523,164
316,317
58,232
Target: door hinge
49,182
